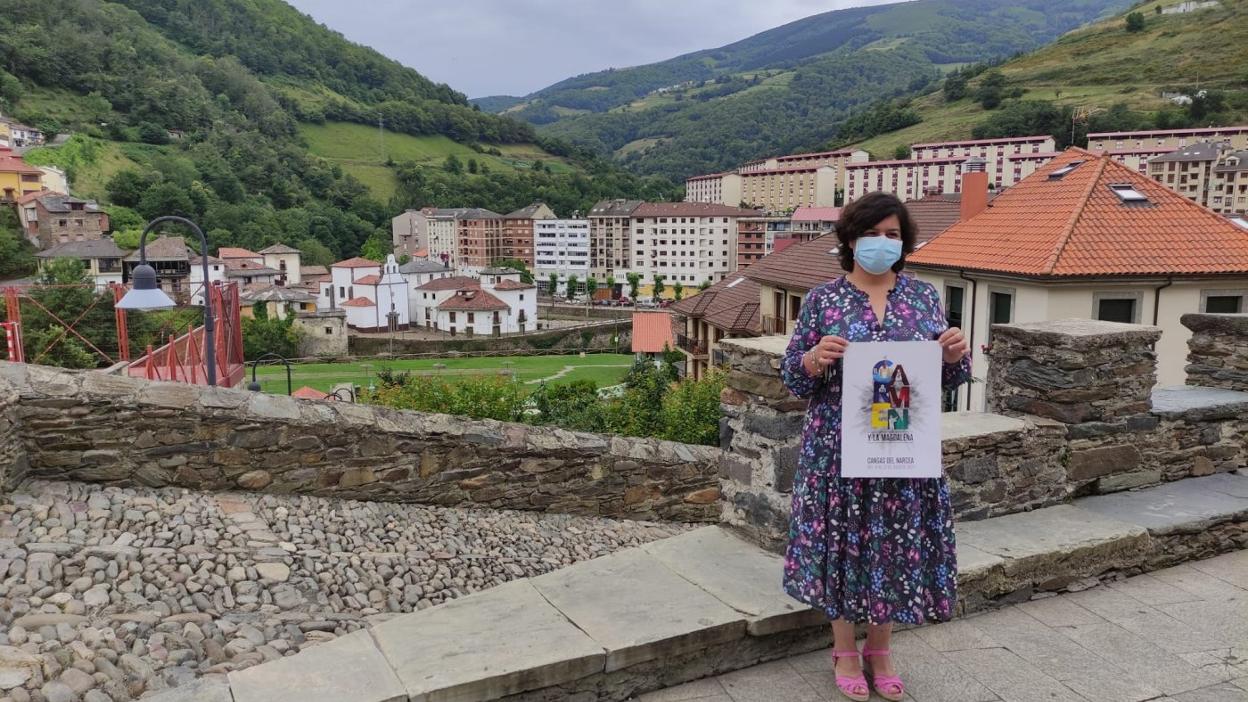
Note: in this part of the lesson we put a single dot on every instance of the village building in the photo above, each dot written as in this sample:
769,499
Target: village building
652,335
17,178
171,259
374,295
498,303
50,218
728,309
216,274
517,232
286,260
100,257
561,248
685,242
610,236
279,301
479,239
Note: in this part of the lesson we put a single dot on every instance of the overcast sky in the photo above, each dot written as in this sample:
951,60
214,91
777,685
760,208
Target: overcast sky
514,47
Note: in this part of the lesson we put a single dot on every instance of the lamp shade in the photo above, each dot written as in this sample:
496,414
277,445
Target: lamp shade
144,294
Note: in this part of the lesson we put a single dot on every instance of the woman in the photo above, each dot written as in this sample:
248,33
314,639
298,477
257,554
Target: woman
867,550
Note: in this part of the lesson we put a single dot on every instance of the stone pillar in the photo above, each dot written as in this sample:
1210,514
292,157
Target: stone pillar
762,431
1095,377
12,453
1217,353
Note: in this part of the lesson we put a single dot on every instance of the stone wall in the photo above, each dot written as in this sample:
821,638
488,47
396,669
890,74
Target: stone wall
1217,355
324,333
102,428
12,452
599,337
1076,412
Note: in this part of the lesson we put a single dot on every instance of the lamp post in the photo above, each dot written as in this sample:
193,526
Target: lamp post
254,385
145,293
350,394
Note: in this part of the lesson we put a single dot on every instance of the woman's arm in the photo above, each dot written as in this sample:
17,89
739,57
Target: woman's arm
794,369
952,374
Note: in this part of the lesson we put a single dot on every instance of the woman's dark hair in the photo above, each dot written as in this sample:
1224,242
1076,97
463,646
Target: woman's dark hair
866,212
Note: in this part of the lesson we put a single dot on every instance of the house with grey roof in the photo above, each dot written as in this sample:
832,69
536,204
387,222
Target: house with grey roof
101,257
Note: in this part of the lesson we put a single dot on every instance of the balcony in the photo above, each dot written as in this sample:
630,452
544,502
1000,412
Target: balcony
774,325
694,347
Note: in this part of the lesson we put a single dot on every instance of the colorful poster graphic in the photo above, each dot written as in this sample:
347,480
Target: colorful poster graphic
890,405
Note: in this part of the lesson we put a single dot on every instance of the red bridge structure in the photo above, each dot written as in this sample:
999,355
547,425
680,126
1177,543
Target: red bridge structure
180,359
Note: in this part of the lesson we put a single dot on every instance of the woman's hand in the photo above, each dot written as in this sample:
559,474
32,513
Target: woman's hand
954,345
829,350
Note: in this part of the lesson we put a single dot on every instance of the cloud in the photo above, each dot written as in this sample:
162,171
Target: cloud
488,47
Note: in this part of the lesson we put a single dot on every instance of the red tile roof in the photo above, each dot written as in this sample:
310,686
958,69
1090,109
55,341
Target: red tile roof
371,279
513,285
227,252
689,209
356,262
803,266
309,393
1170,132
934,214
1076,226
10,163
358,302
652,331
731,305
979,142
473,301
817,214
455,282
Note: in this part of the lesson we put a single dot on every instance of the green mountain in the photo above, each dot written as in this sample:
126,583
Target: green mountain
789,87
1112,75
250,117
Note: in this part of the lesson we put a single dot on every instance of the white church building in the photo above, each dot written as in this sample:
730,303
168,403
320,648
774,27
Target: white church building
369,292
496,303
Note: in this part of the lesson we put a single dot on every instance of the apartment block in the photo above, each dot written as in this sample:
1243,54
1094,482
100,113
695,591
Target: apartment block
561,247
996,154
409,233
908,179
480,235
685,242
517,231
610,224
714,188
443,235
1231,174
757,236
1210,174
834,159
786,189
1168,139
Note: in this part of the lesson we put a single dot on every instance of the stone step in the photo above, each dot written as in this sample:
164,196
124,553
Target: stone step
706,602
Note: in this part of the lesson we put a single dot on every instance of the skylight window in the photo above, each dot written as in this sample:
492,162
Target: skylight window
734,283
1128,194
1059,173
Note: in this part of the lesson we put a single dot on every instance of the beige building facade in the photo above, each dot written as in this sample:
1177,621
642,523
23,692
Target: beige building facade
910,179
714,188
786,189
1168,139
610,236
684,242
997,154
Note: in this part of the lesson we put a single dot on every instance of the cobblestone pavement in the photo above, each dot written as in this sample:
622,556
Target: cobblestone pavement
1179,634
108,593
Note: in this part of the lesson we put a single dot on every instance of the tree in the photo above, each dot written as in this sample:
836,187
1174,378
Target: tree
376,248
166,199
704,285
453,165
591,286
990,90
263,335
314,253
16,254
611,285
634,280
955,87
678,291
571,287
124,218
659,286
126,188
901,152
554,284
1135,22
515,264
472,165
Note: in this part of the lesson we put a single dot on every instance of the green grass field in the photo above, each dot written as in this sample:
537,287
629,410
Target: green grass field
362,151
603,369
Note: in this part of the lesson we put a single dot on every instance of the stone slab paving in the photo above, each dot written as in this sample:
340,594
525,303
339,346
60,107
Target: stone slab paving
1181,504
505,640
1114,642
347,668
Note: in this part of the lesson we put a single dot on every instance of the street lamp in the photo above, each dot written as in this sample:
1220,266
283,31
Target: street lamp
254,385
145,293
350,394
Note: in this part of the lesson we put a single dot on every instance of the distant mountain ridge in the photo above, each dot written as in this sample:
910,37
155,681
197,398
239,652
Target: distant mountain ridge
752,83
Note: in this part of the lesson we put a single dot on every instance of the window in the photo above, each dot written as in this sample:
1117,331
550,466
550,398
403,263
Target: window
1128,194
1000,308
472,318
342,292
329,331
954,304
1223,301
1117,307
1059,173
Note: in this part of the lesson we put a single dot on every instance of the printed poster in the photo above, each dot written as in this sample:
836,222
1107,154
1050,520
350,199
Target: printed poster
890,410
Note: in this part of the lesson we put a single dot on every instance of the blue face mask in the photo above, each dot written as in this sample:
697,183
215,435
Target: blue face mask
877,254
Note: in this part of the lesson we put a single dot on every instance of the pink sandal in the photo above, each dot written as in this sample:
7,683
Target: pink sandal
890,687
854,688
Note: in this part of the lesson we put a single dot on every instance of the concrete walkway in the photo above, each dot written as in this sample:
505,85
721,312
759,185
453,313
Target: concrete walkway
1176,634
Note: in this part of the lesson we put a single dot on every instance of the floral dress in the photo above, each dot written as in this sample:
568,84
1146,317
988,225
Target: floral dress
873,550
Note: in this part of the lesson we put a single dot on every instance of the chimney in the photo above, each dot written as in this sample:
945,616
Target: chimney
974,189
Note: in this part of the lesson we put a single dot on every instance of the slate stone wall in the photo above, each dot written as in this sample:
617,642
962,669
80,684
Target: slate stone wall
12,452
1073,411
1217,352
111,429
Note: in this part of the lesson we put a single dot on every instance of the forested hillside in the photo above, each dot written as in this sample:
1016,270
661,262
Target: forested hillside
790,87
193,106
1111,76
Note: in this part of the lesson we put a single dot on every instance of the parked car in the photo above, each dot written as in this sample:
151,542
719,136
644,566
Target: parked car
623,301
666,303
